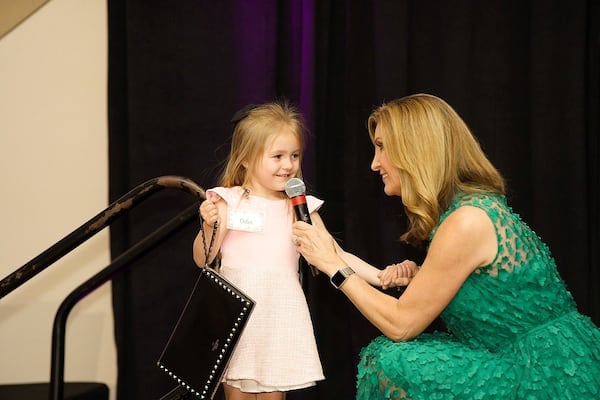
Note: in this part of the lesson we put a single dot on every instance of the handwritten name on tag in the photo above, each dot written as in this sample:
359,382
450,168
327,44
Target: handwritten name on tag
246,220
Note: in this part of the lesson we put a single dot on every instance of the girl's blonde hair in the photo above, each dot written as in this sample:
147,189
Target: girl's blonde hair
252,134
436,155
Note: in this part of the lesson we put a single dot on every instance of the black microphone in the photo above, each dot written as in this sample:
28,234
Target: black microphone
296,190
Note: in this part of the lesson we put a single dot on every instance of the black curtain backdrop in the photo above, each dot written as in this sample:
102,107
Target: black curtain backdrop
523,74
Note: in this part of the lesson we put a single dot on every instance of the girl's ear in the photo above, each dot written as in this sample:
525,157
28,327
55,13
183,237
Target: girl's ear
245,164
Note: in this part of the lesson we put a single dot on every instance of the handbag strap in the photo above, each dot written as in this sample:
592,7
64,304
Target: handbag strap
212,240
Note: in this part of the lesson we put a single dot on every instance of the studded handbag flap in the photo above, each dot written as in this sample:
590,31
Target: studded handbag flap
210,325
206,334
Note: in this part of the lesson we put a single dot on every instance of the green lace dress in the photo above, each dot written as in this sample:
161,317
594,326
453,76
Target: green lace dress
515,332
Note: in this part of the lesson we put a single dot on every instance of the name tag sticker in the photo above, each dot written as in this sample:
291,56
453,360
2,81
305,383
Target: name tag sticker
246,220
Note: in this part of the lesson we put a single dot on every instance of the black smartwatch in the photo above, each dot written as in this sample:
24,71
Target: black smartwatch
338,279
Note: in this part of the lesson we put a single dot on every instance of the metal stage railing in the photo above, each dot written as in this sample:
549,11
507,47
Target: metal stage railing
83,233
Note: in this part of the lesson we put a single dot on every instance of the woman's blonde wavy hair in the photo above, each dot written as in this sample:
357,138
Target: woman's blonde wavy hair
436,155
252,134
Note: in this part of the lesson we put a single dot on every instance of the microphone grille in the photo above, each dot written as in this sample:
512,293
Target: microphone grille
295,187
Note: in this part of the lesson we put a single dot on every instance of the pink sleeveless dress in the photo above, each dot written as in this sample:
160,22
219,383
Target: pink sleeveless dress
277,351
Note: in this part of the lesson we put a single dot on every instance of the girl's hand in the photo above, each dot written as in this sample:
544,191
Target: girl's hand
209,212
399,274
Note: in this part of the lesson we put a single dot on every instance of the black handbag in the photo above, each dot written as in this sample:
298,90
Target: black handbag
200,346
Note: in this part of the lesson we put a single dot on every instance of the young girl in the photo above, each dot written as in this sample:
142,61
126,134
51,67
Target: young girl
277,351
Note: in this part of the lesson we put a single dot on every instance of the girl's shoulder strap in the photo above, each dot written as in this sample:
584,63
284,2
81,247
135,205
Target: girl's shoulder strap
313,203
231,195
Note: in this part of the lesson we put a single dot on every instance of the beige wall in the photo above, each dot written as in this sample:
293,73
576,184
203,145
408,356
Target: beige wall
53,178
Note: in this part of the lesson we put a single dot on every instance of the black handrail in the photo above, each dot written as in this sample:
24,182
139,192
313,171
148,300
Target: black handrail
80,235
60,320
95,225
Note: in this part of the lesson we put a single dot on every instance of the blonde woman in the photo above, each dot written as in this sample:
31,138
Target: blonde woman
514,329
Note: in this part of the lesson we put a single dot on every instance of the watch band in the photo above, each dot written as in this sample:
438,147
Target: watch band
338,279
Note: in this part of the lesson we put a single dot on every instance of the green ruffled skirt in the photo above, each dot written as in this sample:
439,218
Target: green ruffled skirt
559,360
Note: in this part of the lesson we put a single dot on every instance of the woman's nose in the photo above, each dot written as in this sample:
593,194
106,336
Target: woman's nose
375,164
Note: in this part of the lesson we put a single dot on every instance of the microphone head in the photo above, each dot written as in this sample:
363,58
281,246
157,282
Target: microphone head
295,187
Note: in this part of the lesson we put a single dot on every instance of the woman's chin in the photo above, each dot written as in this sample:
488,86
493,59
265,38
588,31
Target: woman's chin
390,191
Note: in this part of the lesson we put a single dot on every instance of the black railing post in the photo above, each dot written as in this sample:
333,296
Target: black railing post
83,233
60,320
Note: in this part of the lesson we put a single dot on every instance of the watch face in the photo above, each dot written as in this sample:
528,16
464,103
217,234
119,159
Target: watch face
337,279
340,276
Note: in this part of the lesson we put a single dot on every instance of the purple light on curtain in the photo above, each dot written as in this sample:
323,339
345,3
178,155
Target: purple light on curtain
274,48
303,16
256,49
